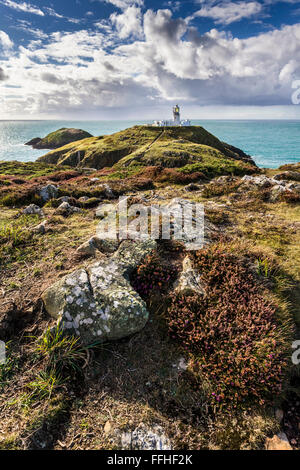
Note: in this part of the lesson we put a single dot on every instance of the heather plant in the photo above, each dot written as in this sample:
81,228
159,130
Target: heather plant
152,276
238,348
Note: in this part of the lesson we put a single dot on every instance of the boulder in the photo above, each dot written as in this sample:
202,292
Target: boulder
98,303
90,247
33,209
261,181
277,191
278,442
48,192
65,209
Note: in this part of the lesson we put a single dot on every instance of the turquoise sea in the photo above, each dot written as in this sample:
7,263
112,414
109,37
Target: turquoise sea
270,143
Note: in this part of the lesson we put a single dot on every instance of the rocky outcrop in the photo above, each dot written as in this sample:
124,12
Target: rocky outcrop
98,303
59,138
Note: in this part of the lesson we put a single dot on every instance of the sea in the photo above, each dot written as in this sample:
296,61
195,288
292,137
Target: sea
270,143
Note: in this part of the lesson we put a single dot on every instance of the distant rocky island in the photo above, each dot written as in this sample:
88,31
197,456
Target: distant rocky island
58,138
142,343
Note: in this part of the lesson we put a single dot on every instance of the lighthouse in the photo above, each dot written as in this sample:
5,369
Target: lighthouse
176,120
176,115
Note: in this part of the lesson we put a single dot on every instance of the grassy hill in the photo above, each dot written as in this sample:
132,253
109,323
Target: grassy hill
146,146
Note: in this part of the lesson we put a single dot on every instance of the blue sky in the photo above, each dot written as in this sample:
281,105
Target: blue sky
97,59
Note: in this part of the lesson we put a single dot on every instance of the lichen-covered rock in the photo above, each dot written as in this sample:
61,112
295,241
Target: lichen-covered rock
98,303
48,192
33,209
65,209
144,438
277,191
261,181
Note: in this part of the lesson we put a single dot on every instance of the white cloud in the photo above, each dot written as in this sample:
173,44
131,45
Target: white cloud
5,40
128,23
89,72
123,4
23,6
229,12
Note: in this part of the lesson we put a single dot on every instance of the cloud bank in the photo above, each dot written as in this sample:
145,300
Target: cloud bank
139,60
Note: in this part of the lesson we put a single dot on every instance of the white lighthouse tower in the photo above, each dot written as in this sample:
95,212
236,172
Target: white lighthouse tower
176,115
176,120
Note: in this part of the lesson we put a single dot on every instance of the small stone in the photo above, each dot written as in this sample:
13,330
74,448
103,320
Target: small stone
279,442
107,427
33,209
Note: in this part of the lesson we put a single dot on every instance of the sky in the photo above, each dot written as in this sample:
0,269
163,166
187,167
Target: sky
135,59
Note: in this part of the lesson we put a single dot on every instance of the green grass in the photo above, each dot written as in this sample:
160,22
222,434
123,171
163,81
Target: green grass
169,147
28,170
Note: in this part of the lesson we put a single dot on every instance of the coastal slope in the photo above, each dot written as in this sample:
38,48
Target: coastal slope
146,145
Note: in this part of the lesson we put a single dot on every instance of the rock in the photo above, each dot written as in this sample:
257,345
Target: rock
94,180
107,190
59,138
144,438
87,249
189,281
98,303
277,191
288,175
293,187
33,209
279,415
105,246
95,243
48,192
181,364
107,427
41,228
260,181
192,187
279,442
225,179
69,199
65,209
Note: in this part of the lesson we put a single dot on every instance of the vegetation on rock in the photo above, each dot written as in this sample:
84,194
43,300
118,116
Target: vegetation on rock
59,138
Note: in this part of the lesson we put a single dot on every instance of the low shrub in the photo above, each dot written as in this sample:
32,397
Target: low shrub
171,175
291,197
238,348
152,276
219,189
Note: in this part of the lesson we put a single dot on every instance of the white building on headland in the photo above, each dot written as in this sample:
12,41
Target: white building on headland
176,120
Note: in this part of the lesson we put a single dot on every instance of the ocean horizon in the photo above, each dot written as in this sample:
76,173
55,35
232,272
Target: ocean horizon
271,143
